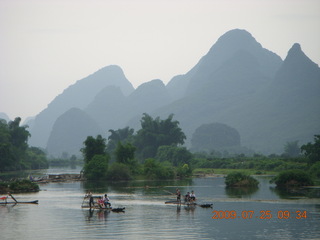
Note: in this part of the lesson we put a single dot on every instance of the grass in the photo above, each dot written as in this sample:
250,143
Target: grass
226,171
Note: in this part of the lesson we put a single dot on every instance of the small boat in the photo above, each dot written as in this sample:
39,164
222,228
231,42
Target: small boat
206,205
203,205
181,203
118,209
95,205
28,202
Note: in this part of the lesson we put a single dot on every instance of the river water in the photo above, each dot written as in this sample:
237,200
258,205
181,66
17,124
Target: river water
253,214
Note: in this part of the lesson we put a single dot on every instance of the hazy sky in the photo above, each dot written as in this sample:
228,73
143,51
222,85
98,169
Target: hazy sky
47,45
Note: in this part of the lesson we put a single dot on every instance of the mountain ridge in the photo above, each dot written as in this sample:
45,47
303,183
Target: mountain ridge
238,83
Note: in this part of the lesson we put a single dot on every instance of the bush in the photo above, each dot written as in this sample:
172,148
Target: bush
315,170
119,171
153,169
240,179
292,178
23,186
96,168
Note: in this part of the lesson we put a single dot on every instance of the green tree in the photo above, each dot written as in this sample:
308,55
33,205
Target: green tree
155,133
36,158
93,146
123,135
176,155
96,168
119,171
125,153
13,145
153,169
312,150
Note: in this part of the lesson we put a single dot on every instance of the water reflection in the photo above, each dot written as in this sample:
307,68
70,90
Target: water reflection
239,192
295,193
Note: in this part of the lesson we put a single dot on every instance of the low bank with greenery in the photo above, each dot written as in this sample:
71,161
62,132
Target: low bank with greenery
292,178
240,179
19,186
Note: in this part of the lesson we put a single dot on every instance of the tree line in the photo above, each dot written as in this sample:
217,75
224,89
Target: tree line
15,153
155,152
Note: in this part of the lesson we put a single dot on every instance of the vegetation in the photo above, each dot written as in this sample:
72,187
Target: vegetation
240,179
96,158
152,152
292,178
15,154
312,150
19,186
155,133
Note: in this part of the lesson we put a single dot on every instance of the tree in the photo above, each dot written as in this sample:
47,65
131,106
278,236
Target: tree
175,155
93,146
155,133
312,150
125,153
96,168
14,146
291,149
123,135
153,169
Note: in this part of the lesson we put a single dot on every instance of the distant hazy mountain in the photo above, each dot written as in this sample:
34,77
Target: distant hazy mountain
238,83
69,132
286,110
241,84
78,95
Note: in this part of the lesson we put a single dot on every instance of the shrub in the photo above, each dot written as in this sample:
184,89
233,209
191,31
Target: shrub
119,171
240,179
96,168
315,170
23,186
292,178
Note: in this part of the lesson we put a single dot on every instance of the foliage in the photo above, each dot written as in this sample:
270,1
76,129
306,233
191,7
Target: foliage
15,153
175,155
93,146
184,171
36,158
96,168
124,153
153,169
23,186
315,170
312,150
214,136
123,135
119,171
240,179
292,178
155,133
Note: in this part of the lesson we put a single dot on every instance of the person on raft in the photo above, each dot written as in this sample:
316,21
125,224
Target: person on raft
187,197
106,200
6,197
178,193
192,196
101,202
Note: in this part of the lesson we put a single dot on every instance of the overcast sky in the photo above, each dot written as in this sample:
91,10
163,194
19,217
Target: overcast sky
47,45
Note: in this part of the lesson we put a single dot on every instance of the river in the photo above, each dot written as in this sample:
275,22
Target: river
262,213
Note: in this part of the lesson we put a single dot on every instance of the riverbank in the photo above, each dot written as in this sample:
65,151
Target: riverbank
18,186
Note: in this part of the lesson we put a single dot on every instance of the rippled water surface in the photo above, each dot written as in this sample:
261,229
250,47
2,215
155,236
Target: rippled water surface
59,214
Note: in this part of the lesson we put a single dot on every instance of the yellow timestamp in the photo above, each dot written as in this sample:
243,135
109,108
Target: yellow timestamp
263,214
